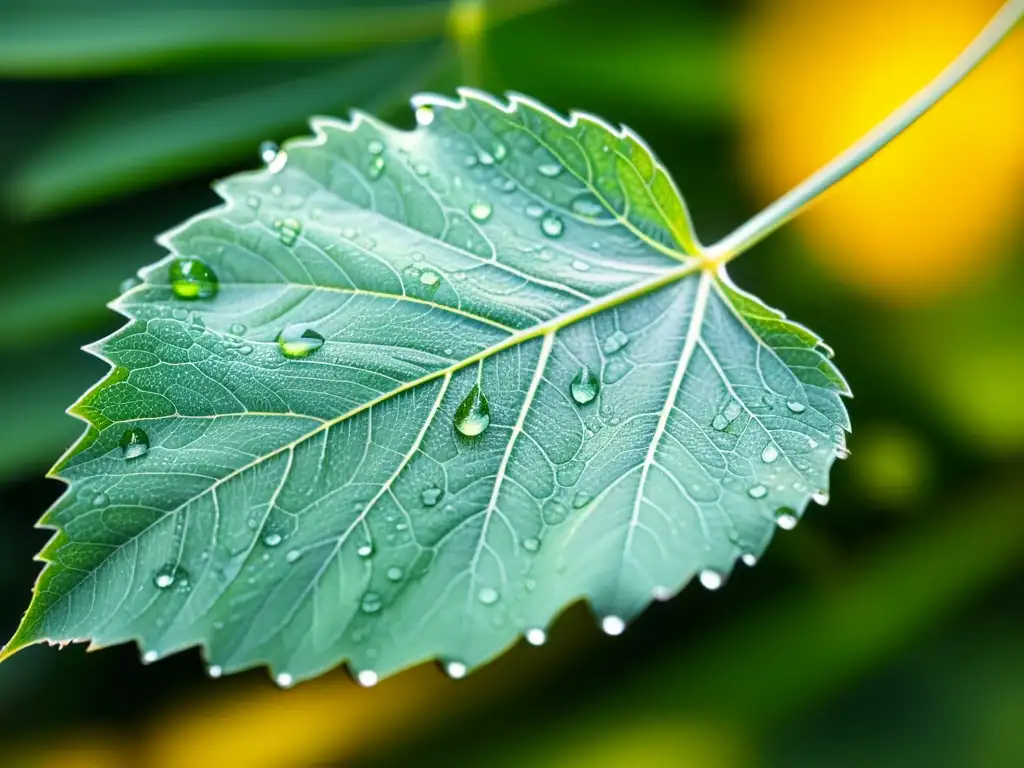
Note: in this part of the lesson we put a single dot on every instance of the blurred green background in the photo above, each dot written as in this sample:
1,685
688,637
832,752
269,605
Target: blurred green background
887,630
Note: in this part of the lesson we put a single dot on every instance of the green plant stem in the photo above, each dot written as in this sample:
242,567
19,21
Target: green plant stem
794,201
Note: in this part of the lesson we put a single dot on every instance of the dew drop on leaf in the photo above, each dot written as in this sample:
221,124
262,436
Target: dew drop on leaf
284,680
473,415
268,151
552,226
613,625
549,169
480,211
769,454
456,670
586,205
371,603
395,573
367,677
584,386
134,443
614,343
487,596
536,636
149,657
820,498
534,210
531,544
292,556
272,539
169,575
757,491
431,496
288,231
785,518
376,167
796,407
299,340
580,266
429,278
214,671
749,559
192,279
710,579
365,550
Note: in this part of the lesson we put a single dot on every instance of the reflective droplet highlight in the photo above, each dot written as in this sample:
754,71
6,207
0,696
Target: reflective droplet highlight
710,579
284,680
456,670
587,206
288,231
531,544
536,636
786,518
473,415
584,386
272,539
134,443
376,167
749,559
796,407
550,170
820,497
299,340
367,677
192,279
371,603
757,492
364,550
487,596
395,573
430,279
169,575
431,496
769,454
552,226
613,625
214,671
480,211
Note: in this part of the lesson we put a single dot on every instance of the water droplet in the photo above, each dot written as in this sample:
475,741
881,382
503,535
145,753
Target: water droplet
237,329
820,498
299,340
376,167
796,407
842,452
534,210
661,593
536,636
581,499
749,559
424,114
549,169
757,492
375,147
365,550
586,205
214,671
786,518
179,313
500,150
584,386
169,575
531,544
431,496
485,158
149,657
134,443
580,266
614,343
480,211
769,454
422,169
268,151
192,279
552,226
487,596
710,579
613,625
272,539
473,415
292,556
371,603
128,283
554,512
367,677
100,500
288,231
284,680
456,670
395,573
429,278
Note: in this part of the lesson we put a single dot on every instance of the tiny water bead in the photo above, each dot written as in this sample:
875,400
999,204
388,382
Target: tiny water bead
376,167
430,496
820,498
365,550
531,544
149,657
170,575
613,625
237,329
371,603
214,671
614,343
661,593
272,540
299,340
487,596
769,454
796,407
757,491
552,226
536,636
480,211
584,386
456,670
473,415
395,573
292,556
367,677
549,170
375,147
534,210
284,680
268,151
710,579
580,266
134,443
192,279
749,559
100,500
424,114
430,279
786,518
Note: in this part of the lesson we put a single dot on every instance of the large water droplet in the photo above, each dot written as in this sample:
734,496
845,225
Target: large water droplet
786,518
613,625
424,114
429,278
769,454
586,205
796,407
456,670
615,342
749,559
299,340
552,226
757,491
584,386
473,415
536,636
554,512
820,498
134,443
480,211
487,596
710,579
549,169
192,279
431,496
371,603
284,680
367,677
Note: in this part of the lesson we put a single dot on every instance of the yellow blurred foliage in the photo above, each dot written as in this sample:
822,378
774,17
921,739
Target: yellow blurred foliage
936,206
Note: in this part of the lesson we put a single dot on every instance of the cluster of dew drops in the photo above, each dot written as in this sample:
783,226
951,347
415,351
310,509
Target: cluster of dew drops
191,279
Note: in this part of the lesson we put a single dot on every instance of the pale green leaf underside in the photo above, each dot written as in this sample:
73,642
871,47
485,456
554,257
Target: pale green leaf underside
497,242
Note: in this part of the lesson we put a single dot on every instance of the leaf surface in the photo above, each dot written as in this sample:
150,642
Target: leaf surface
521,386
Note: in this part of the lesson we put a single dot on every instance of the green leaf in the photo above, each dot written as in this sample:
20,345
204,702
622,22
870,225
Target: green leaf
511,383
152,129
119,36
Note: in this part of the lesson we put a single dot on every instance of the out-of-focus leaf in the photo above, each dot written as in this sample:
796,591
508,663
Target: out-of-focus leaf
47,39
152,129
450,381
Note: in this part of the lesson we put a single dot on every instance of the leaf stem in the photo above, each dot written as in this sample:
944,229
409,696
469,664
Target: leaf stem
794,201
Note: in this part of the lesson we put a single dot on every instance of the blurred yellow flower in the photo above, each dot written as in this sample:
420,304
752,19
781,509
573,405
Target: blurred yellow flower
935,207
